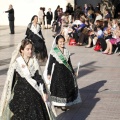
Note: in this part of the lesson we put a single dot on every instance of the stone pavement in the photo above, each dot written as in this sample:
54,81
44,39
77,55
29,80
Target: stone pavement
98,80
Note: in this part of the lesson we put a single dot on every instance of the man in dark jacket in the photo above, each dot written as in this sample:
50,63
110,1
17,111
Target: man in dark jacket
49,18
11,18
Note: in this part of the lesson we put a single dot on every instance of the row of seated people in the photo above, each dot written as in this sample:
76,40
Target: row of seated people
89,32
108,35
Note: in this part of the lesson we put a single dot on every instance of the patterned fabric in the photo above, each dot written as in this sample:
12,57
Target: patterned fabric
63,88
27,104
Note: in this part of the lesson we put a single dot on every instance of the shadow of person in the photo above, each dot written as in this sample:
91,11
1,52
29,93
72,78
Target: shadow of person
6,46
82,111
84,72
4,61
86,69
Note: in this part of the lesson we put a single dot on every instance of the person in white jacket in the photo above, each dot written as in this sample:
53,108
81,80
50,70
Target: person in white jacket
41,16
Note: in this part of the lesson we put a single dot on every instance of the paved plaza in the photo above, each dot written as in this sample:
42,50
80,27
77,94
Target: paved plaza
98,80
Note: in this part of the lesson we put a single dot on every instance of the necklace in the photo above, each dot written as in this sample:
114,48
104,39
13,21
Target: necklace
26,61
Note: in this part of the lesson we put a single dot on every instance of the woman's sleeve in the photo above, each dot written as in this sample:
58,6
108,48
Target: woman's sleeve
39,80
40,32
28,29
69,61
51,61
27,32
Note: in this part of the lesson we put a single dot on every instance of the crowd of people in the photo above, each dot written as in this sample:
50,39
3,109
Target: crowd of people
28,93
88,27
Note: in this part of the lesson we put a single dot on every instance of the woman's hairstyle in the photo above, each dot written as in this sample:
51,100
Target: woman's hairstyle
58,37
105,24
82,19
116,20
110,23
119,25
91,21
24,43
33,17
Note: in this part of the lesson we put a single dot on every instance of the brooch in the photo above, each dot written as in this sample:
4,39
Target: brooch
23,66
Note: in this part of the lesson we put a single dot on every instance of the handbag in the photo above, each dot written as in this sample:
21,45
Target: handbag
72,41
97,47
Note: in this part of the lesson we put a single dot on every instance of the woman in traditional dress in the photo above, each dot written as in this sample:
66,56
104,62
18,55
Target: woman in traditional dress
34,33
59,71
24,94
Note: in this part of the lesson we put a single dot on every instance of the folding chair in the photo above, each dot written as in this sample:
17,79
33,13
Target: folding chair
116,50
117,47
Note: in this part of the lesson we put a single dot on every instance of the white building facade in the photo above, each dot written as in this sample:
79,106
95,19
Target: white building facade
25,9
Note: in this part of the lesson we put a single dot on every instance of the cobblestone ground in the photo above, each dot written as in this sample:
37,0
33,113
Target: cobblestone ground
98,80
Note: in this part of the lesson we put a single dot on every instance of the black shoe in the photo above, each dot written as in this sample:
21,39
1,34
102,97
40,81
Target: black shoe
11,33
54,36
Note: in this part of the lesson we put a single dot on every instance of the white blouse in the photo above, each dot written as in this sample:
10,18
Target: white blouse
36,29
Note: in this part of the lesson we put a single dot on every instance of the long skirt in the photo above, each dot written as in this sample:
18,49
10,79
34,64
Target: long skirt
64,89
27,103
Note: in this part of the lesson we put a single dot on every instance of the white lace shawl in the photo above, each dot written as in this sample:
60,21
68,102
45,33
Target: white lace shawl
66,54
36,30
6,94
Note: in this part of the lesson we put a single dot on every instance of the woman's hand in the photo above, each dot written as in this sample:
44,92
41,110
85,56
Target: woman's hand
76,74
45,97
49,77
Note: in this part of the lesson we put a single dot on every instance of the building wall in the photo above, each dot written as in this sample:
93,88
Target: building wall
82,2
25,9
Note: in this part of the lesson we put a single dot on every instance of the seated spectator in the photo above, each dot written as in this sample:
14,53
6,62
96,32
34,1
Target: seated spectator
83,34
99,23
107,15
114,24
77,22
91,15
98,16
75,26
91,25
97,35
113,41
105,25
83,16
108,31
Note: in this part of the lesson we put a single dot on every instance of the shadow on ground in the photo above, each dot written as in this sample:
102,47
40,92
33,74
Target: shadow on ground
3,71
86,69
82,111
4,61
6,46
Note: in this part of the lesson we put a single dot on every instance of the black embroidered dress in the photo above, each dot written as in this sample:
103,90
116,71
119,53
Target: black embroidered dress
27,104
22,94
63,88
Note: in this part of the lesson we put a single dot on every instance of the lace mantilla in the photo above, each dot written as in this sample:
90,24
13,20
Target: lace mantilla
33,66
66,55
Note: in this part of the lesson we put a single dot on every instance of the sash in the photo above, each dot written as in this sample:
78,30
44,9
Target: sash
27,75
62,58
33,82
